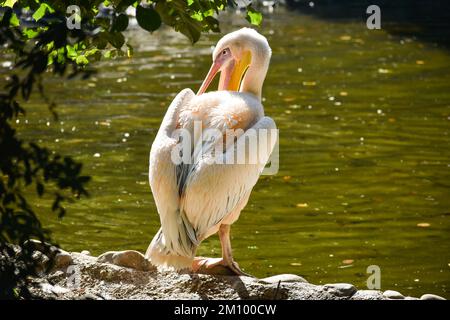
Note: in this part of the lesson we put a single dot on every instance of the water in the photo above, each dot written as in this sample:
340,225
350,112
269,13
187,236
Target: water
364,121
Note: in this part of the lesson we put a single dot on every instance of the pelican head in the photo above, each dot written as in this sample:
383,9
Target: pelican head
242,57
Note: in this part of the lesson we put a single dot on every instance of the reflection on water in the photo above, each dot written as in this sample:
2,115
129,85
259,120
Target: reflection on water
364,121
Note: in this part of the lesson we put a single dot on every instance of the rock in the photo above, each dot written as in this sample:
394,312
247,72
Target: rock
86,252
391,294
40,246
283,278
90,296
128,258
45,252
341,289
41,261
368,295
56,289
411,298
62,260
429,296
128,275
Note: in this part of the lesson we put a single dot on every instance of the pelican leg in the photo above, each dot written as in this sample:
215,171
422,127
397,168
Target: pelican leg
216,265
227,256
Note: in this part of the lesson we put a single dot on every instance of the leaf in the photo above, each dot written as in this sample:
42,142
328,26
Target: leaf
14,21
107,54
253,16
213,24
30,33
116,39
10,3
120,23
71,52
192,29
40,12
82,60
148,18
101,40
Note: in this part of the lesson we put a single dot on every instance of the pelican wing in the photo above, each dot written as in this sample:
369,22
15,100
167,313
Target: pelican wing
175,229
212,190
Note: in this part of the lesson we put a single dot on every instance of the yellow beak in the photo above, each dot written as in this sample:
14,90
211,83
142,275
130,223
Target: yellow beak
231,76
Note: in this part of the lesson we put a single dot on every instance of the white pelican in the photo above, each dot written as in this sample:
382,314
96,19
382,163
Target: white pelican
197,200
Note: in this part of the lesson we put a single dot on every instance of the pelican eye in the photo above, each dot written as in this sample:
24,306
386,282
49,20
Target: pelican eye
224,52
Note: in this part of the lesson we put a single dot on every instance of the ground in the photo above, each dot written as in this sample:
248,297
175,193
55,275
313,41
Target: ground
128,275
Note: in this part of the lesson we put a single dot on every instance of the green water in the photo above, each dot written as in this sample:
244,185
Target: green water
364,121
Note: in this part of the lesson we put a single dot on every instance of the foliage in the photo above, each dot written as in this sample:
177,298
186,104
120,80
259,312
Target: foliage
37,35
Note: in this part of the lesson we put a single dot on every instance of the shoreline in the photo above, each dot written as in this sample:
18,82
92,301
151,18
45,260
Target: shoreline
128,275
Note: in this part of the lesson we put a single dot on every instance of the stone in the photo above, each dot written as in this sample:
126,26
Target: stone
53,289
429,296
41,261
86,252
341,289
392,294
62,260
128,258
368,295
283,278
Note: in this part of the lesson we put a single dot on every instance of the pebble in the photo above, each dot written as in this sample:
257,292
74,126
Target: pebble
86,252
391,294
429,296
283,278
341,289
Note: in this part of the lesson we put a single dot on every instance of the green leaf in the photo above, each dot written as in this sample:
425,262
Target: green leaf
120,23
148,18
14,21
10,3
30,33
116,39
253,16
40,12
82,60
192,29
107,54
101,40
91,52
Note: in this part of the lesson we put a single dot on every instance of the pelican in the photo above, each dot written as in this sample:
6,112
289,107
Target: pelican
198,199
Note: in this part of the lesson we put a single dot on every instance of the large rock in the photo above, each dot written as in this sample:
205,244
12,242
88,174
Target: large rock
391,294
431,297
282,278
129,259
62,260
341,289
368,295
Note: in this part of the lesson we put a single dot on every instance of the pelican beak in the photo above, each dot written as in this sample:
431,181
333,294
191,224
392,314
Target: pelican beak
231,76
209,77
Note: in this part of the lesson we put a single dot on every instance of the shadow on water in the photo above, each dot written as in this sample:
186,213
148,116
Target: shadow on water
424,19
